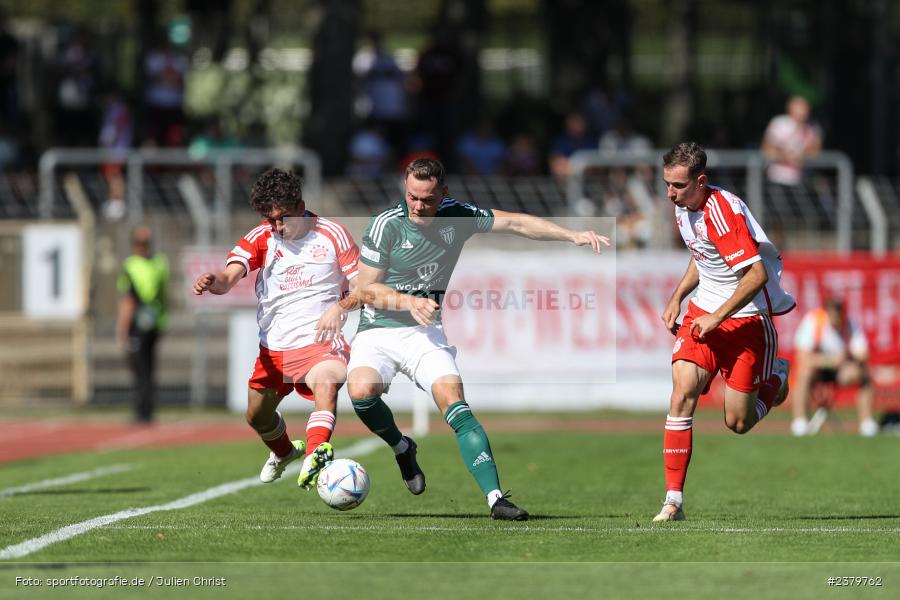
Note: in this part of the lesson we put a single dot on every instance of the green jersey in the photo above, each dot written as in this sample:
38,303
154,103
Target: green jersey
417,260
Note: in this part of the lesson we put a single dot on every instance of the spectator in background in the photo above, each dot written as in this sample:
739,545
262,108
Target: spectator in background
115,136
9,147
831,348
142,316
480,151
76,91
164,69
384,91
433,84
9,89
370,154
622,138
575,136
212,139
602,108
523,157
788,141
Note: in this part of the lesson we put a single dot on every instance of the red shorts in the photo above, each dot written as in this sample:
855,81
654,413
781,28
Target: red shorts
283,370
743,348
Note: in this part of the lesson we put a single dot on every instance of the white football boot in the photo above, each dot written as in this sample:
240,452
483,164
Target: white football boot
275,466
670,512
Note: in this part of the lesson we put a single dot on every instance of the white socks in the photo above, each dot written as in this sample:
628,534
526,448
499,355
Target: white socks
674,497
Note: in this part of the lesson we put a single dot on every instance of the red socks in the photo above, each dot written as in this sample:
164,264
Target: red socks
768,391
677,450
318,429
277,440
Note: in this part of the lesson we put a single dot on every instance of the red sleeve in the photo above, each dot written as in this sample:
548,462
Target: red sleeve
728,232
345,248
251,249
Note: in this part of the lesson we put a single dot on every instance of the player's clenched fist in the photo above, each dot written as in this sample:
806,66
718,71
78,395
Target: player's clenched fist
204,282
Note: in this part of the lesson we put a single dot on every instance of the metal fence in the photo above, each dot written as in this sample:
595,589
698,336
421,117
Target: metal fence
824,204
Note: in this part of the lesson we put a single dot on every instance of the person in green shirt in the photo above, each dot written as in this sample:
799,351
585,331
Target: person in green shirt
142,316
408,254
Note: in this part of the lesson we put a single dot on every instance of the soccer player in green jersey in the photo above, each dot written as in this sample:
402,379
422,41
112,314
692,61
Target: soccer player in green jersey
407,257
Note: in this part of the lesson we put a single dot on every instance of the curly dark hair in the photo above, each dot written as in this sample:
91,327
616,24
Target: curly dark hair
276,188
686,154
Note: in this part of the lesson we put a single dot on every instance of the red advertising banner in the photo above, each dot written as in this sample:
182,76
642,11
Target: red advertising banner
869,286
195,262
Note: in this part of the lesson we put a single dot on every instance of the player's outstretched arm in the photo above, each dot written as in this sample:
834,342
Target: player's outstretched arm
219,283
688,283
374,293
535,228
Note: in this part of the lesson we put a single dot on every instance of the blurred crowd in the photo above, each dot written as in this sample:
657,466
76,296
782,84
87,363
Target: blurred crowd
405,114
400,113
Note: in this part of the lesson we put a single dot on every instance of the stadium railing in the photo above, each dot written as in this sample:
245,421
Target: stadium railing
823,204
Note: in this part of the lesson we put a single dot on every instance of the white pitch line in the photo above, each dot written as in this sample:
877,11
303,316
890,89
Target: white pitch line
34,544
73,478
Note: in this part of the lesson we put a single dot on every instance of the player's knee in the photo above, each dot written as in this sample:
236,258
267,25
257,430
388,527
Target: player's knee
738,425
363,389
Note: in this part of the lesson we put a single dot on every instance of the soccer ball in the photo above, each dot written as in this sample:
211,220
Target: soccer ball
343,484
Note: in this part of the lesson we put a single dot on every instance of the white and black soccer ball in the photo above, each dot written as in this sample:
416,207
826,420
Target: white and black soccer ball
343,484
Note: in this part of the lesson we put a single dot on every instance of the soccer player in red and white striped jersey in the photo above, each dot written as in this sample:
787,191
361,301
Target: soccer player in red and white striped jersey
305,265
736,272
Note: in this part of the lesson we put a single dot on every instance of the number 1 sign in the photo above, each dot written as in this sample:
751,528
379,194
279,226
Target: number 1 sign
51,271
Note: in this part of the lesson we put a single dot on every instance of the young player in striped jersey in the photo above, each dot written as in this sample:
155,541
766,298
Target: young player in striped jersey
728,327
408,255
305,265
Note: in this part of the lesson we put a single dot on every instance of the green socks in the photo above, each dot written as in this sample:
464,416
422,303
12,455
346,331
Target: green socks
473,446
378,418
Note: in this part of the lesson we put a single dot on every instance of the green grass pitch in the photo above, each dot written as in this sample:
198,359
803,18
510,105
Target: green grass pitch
768,515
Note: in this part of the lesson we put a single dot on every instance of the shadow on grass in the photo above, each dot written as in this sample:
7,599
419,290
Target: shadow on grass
483,515
844,517
124,490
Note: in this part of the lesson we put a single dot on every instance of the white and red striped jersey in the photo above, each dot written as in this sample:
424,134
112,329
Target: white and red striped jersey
298,279
724,238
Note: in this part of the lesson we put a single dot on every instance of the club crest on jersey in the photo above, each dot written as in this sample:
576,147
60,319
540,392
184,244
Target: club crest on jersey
700,228
426,272
318,251
447,233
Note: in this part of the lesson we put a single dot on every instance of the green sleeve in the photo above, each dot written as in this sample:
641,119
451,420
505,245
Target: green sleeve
377,242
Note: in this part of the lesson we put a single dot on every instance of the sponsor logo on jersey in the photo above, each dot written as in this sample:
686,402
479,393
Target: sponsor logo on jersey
406,245
426,272
677,346
293,279
676,451
734,256
447,233
277,255
482,458
372,255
